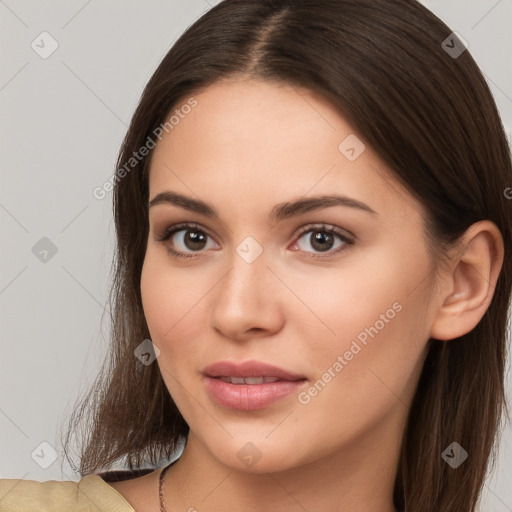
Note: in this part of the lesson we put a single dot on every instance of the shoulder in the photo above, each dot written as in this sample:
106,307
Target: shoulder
89,494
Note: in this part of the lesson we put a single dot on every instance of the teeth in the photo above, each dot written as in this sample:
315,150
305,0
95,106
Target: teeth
254,380
249,380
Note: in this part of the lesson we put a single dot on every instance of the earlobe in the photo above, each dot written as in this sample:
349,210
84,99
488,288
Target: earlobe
470,286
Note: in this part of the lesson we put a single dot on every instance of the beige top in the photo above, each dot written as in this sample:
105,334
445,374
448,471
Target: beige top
90,494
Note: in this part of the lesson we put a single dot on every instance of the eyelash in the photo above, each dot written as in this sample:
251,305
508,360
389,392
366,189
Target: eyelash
167,233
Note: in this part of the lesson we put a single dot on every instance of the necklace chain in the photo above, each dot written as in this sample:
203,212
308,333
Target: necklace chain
163,507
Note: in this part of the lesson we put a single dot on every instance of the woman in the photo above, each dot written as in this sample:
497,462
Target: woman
313,272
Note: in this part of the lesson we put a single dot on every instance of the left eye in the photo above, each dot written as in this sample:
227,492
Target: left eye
322,239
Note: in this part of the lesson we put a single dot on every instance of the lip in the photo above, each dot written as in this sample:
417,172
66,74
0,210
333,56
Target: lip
249,369
249,397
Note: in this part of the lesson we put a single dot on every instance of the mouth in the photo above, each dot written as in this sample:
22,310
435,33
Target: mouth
249,385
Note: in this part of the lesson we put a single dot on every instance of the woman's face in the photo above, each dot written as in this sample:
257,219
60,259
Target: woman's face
333,293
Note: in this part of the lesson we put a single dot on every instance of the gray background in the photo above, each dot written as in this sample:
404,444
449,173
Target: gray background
63,120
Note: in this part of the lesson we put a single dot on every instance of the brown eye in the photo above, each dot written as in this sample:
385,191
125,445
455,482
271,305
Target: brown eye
194,240
185,239
322,239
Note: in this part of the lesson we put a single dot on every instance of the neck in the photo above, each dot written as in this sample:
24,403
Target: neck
351,479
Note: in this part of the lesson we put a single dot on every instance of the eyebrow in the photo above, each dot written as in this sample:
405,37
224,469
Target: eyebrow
279,212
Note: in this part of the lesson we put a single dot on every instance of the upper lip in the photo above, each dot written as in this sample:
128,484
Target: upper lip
248,369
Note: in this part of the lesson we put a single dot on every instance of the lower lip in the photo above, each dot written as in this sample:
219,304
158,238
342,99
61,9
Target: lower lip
250,397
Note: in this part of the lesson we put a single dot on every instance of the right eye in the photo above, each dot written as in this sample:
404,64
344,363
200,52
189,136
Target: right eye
186,236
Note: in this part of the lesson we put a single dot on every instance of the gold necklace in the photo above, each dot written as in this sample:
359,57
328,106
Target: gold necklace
161,487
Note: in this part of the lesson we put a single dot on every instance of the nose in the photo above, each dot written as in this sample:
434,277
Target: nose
247,302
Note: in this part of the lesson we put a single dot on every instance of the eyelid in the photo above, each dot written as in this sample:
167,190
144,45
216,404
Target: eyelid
164,234
329,228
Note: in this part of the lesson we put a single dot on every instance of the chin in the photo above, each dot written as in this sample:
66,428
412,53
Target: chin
257,456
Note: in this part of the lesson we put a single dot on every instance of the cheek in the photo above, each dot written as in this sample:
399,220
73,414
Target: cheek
370,331
158,289
362,383
172,303
337,304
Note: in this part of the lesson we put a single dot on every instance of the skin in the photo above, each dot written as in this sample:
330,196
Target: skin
245,147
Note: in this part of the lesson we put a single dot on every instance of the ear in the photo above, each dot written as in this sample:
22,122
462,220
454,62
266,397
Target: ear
470,285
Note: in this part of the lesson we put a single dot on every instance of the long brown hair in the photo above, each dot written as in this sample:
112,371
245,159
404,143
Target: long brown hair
428,113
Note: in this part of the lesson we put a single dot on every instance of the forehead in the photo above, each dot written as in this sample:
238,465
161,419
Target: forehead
258,143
